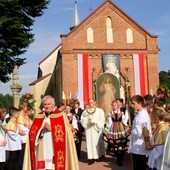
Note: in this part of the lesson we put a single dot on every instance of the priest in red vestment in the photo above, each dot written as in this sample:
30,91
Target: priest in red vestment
50,143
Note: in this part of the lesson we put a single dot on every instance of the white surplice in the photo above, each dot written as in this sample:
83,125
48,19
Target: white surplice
166,154
93,131
2,148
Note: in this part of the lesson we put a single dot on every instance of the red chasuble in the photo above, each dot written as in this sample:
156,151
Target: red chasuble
58,138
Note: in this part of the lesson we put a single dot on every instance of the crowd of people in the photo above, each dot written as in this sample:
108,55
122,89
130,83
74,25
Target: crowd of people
53,139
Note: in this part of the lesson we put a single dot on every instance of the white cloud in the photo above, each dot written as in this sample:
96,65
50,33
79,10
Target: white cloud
161,32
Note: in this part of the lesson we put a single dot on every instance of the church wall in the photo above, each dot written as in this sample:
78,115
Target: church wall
70,83
69,70
153,78
95,69
76,42
78,38
49,64
39,90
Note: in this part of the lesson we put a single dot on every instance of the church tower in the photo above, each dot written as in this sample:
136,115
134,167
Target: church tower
76,20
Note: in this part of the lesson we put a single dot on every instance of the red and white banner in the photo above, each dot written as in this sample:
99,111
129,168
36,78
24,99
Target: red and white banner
139,74
83,80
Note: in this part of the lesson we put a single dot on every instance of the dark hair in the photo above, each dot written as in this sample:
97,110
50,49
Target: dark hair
13,110
148,97
159,101
2,110
77,102
114,101
120,100
60,104
149,103
138,99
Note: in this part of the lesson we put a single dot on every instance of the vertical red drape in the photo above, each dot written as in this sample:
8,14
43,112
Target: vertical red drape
142,75
85,79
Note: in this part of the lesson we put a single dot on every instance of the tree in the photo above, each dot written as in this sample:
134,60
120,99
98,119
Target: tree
164,78
163,90
16,19
6,101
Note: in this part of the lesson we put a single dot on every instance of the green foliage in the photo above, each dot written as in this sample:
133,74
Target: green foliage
6,101
164,78
29,99
164,92
16,19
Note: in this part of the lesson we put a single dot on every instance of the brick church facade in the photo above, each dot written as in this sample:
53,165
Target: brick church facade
107,30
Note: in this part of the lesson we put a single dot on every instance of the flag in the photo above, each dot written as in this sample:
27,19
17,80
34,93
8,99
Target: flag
63,96
76,95
83,81
139,74
70,96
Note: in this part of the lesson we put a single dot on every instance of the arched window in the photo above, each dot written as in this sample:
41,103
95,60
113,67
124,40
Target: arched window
109,30
90,38
129,36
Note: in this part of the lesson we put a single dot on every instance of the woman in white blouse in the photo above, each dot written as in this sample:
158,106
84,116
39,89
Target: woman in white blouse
137,142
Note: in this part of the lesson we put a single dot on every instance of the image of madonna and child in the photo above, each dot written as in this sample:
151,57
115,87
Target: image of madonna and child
116,132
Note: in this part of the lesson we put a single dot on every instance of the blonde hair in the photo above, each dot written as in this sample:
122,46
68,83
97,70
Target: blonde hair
168,107
22,106
159,113
167,118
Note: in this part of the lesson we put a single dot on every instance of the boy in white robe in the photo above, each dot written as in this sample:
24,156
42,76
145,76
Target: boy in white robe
13,139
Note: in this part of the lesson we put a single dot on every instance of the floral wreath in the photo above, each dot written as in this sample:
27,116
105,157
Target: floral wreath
164,92
28,98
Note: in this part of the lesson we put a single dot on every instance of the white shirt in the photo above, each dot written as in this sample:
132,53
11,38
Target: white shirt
2,149
137,143
125,117
13,140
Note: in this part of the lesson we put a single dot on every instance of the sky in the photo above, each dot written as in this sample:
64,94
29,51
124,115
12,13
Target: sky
152,15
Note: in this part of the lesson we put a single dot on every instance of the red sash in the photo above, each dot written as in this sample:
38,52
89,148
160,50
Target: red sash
58,137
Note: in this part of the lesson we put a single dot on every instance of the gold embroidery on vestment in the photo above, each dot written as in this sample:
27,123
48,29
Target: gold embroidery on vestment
59,134
32,132
60,159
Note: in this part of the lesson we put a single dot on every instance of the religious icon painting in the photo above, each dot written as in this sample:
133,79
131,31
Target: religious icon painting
111,64
107,89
